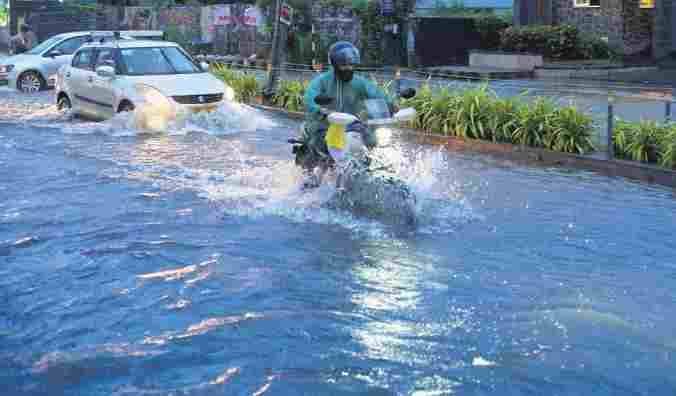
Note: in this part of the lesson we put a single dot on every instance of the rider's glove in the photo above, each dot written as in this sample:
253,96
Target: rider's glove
324,111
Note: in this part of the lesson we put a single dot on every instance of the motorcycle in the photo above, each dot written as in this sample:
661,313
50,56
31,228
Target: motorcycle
364,183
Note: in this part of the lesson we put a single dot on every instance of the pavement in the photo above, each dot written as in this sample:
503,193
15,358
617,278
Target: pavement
641,72
481,72
652,76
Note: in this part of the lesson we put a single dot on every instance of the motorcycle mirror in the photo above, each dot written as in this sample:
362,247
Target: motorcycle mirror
408,93
323,100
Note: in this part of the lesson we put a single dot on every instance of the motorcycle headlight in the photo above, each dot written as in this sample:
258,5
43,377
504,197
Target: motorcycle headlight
6,68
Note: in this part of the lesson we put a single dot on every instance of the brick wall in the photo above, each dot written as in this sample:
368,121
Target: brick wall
663,28
638,27
627,27
605,21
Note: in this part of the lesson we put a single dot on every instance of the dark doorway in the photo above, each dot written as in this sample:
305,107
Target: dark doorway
445,41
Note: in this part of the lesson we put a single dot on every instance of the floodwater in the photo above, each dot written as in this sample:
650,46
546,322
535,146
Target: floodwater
190,263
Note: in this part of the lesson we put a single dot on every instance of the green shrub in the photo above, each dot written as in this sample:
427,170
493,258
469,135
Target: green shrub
592,47
290,94
571,131
553,42
244,85
646,141
490,28
481,114
533,123
668,148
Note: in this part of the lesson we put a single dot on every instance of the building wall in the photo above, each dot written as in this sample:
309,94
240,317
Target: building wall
638,28
664,28
627,27
605,21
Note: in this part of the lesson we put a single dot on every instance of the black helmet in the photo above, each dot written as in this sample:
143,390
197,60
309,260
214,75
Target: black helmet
344,53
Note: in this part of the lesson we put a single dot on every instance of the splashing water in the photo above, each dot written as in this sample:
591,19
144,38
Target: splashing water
245,182
263,188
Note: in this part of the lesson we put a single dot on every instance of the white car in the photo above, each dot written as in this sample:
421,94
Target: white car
106,78
36,69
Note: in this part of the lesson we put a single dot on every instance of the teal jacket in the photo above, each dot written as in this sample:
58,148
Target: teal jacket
347,98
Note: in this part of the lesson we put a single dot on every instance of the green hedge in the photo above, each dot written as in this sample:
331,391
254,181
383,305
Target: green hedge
481,114
490,28
554,42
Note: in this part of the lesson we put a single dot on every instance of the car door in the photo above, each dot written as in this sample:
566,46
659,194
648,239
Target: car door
101,89
61,54
78,78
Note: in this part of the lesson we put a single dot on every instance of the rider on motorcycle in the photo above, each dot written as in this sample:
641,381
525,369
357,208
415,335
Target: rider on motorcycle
348,91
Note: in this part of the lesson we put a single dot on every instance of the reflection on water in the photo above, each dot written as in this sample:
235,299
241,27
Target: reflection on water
190,263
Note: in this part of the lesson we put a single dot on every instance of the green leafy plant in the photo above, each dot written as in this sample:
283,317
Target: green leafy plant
668,148
554,42
593,47
4,16
490,28
481,114
534,123
638,141
571,131
245,86
503,120
474,112
290,94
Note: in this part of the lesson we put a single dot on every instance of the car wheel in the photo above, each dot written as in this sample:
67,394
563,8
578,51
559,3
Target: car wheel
30,82
63,103
126,107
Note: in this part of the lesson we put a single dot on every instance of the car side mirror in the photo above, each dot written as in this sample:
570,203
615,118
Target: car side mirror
408,93
323,100
54,53
204,66
105,71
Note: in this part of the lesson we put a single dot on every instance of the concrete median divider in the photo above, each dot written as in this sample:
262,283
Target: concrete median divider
505,60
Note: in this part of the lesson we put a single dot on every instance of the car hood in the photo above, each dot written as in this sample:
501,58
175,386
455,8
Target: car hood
183,84
19,59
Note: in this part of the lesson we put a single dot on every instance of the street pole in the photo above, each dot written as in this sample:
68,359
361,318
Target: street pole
611,119
274,69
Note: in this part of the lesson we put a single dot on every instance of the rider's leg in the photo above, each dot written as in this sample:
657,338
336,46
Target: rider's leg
314,165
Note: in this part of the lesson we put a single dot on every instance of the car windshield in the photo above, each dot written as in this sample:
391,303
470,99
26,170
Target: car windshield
157,60
37,50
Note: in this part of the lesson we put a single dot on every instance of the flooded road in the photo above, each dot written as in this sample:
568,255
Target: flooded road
189,262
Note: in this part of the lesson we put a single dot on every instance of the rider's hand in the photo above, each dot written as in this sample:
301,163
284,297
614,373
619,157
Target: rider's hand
324,111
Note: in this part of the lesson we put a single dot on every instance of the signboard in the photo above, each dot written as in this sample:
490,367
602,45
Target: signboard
647,3
387,7
286,14
221,15
252,17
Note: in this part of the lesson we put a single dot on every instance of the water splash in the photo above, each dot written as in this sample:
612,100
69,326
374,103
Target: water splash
40,110
442,204
248,183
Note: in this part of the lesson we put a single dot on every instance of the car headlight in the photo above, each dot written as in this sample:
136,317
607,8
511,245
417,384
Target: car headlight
6,68
152,96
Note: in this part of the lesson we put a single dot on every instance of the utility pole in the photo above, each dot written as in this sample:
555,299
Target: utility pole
273,68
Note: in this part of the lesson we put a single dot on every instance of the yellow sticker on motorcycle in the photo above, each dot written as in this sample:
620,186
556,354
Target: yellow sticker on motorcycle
335,136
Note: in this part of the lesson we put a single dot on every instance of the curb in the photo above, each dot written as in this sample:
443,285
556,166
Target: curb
493,75
530,155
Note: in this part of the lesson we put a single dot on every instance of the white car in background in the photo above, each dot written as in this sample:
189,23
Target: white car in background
36,69
111,77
